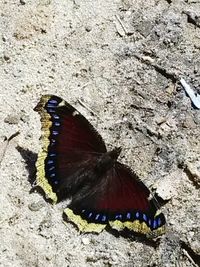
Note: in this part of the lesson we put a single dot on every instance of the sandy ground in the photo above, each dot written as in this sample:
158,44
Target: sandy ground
122,59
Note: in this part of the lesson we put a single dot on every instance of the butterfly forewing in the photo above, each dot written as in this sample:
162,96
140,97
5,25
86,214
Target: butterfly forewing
69,141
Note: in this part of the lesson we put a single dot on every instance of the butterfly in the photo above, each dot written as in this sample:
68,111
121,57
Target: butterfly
74,163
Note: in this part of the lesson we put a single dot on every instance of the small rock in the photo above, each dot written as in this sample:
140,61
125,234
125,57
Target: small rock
35,206
6,58
189,122
170,89
193,18
144,27
88,28
85,241
160,120
12,119
22,2
194,172
166,188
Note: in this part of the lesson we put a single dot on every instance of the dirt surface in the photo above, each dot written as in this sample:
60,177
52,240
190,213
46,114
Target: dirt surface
122,60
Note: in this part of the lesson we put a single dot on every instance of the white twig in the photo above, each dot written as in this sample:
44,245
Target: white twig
194,97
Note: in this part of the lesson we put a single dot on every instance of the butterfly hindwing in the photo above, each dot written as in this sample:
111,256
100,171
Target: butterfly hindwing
119,199
69,142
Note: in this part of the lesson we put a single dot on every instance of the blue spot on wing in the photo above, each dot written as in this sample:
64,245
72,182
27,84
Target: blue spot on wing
51,168
52,154
118,216
104,218
137,215
51,110
128,215
50,106
53,101
154,224
144,217
55,132
97,216
52,142
56,116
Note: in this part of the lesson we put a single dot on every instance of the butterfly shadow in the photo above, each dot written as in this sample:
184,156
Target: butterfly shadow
133,236
30,160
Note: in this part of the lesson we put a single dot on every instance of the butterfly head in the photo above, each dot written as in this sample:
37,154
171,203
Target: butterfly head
114,154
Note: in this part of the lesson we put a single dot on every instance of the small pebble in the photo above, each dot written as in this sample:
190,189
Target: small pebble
35,206
22,2
192,169
88,28
12,119
167,187
85,241
6,58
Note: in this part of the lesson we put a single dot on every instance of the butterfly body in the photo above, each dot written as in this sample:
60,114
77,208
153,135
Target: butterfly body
74,162
107,160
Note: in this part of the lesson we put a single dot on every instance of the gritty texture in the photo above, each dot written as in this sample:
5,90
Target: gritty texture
119,63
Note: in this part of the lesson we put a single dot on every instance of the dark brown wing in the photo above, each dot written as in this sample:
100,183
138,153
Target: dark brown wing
119,199
69,143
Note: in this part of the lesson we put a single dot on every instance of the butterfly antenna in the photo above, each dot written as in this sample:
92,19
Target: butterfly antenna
148,144
6,143
154,200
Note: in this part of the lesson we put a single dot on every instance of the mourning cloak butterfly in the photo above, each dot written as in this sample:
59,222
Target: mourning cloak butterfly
74,162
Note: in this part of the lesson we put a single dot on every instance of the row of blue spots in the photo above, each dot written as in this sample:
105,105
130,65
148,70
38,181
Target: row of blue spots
52,173
155,223
152,223
96,217
51,104
51,108
51,167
